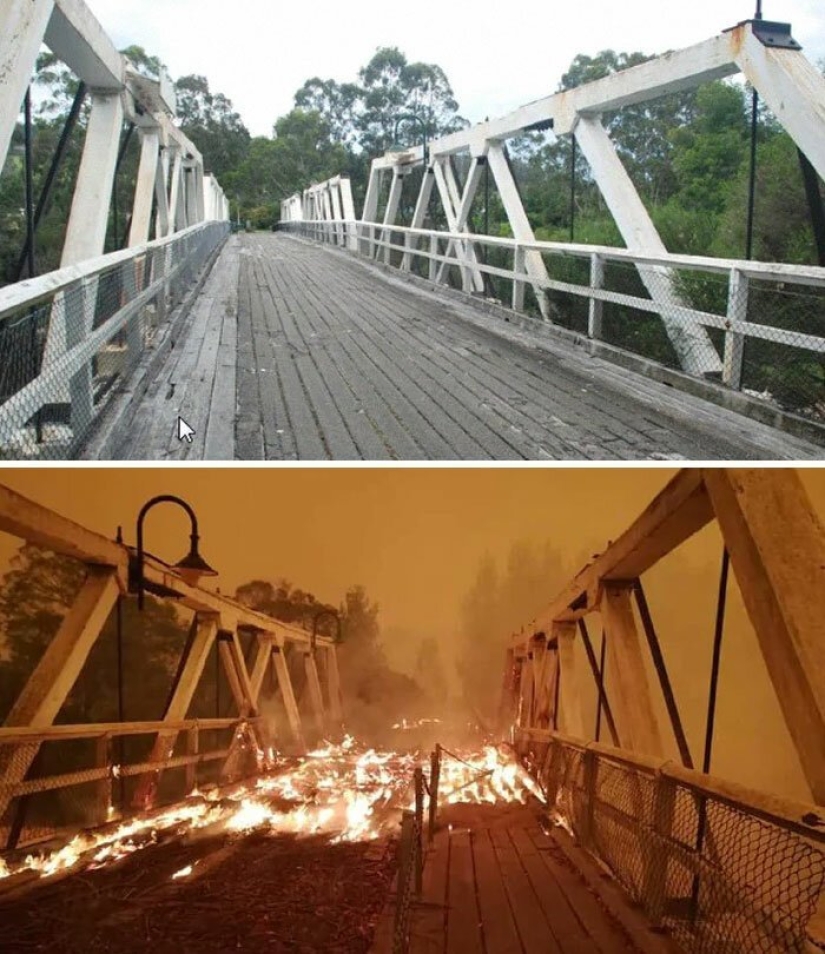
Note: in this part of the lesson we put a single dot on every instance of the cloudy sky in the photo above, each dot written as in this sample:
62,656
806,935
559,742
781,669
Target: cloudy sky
496,56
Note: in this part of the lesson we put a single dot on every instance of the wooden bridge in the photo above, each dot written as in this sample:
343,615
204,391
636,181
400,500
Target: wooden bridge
550,351
631,845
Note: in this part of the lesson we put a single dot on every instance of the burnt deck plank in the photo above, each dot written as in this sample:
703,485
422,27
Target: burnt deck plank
300,352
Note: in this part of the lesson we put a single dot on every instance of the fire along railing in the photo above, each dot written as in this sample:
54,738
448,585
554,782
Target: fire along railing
107,762
719,866
766,321
69,338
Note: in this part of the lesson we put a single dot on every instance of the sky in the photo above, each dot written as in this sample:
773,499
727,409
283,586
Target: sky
258,53
415,539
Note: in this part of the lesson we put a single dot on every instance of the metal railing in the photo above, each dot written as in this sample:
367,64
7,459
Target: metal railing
765,323
68,339
722,868
83,774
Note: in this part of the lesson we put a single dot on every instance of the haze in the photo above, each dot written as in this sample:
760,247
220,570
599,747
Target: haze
415,538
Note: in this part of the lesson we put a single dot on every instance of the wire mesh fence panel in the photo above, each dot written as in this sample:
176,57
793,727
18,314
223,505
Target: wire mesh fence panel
64,353
790,373
720,877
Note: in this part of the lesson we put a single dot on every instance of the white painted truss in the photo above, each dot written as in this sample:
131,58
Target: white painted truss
171,174
785,79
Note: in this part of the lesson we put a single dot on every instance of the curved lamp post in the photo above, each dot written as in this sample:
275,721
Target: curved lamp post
412,117
191,568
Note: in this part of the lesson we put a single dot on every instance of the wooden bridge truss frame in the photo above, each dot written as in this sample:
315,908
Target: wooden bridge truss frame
216,619
776,546
786,80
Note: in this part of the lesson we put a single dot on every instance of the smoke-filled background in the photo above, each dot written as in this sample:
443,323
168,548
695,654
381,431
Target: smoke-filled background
431,570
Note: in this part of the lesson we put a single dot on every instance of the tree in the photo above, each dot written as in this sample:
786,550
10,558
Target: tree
35,595
429,671
210,121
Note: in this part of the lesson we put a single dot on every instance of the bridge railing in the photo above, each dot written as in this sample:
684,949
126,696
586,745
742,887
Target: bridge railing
721,867
68,339
84,775
766,321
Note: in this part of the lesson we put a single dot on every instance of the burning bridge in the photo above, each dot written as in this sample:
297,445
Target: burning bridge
270,829
401,334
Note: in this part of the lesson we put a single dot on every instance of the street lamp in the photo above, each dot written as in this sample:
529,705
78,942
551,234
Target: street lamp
412,117
191,568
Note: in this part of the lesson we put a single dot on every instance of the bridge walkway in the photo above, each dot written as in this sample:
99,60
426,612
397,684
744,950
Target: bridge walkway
496,882
298,351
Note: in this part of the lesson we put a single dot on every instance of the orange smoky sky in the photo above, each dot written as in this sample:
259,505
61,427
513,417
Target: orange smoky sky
415,538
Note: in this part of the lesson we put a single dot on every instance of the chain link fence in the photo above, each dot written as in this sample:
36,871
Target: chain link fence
752,327
722,870
56,787
70,338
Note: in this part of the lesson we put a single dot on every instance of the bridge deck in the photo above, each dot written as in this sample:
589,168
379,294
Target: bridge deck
497,883
295,351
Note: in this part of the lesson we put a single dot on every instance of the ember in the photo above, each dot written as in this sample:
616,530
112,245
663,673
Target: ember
343,791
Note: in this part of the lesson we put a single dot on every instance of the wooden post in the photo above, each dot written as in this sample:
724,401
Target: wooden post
435,777
192,748
777,550
518,284
570,693
633,704
419,828
735,340
590,771
657,855
58,669
336,707
596,309
315,696
288,696
103,759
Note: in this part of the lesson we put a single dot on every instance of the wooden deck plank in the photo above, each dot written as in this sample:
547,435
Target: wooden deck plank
428,923
498,925
566,927
338,358
463,919
531,923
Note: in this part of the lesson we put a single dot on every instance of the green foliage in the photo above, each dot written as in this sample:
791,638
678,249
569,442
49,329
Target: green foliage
210,121
35,595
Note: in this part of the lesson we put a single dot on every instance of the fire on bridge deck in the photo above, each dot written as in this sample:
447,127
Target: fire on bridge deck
295,351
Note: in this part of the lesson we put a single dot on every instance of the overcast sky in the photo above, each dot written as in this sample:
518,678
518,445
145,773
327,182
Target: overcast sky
497,56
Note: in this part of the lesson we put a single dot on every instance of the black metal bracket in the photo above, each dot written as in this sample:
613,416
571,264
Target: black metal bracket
541,126
771,33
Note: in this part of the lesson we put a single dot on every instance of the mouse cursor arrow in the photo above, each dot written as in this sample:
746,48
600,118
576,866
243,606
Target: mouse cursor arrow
185,432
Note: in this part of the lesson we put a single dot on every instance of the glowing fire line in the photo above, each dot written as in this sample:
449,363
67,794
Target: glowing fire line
342,791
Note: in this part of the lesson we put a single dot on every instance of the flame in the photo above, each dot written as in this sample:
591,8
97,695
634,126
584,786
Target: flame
184,872
343,791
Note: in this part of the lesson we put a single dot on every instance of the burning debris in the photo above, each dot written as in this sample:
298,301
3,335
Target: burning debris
343,791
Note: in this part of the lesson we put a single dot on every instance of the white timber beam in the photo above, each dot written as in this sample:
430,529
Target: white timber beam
316,697
691,343
391,211
288,696
51,682
89,216
571,713
678,512
78,39
463,206
419,215
519,223
206,629
22,26
777,550
145,188
632,701
792,87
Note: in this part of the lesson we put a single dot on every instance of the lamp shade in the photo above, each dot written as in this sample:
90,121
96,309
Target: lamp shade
193,566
